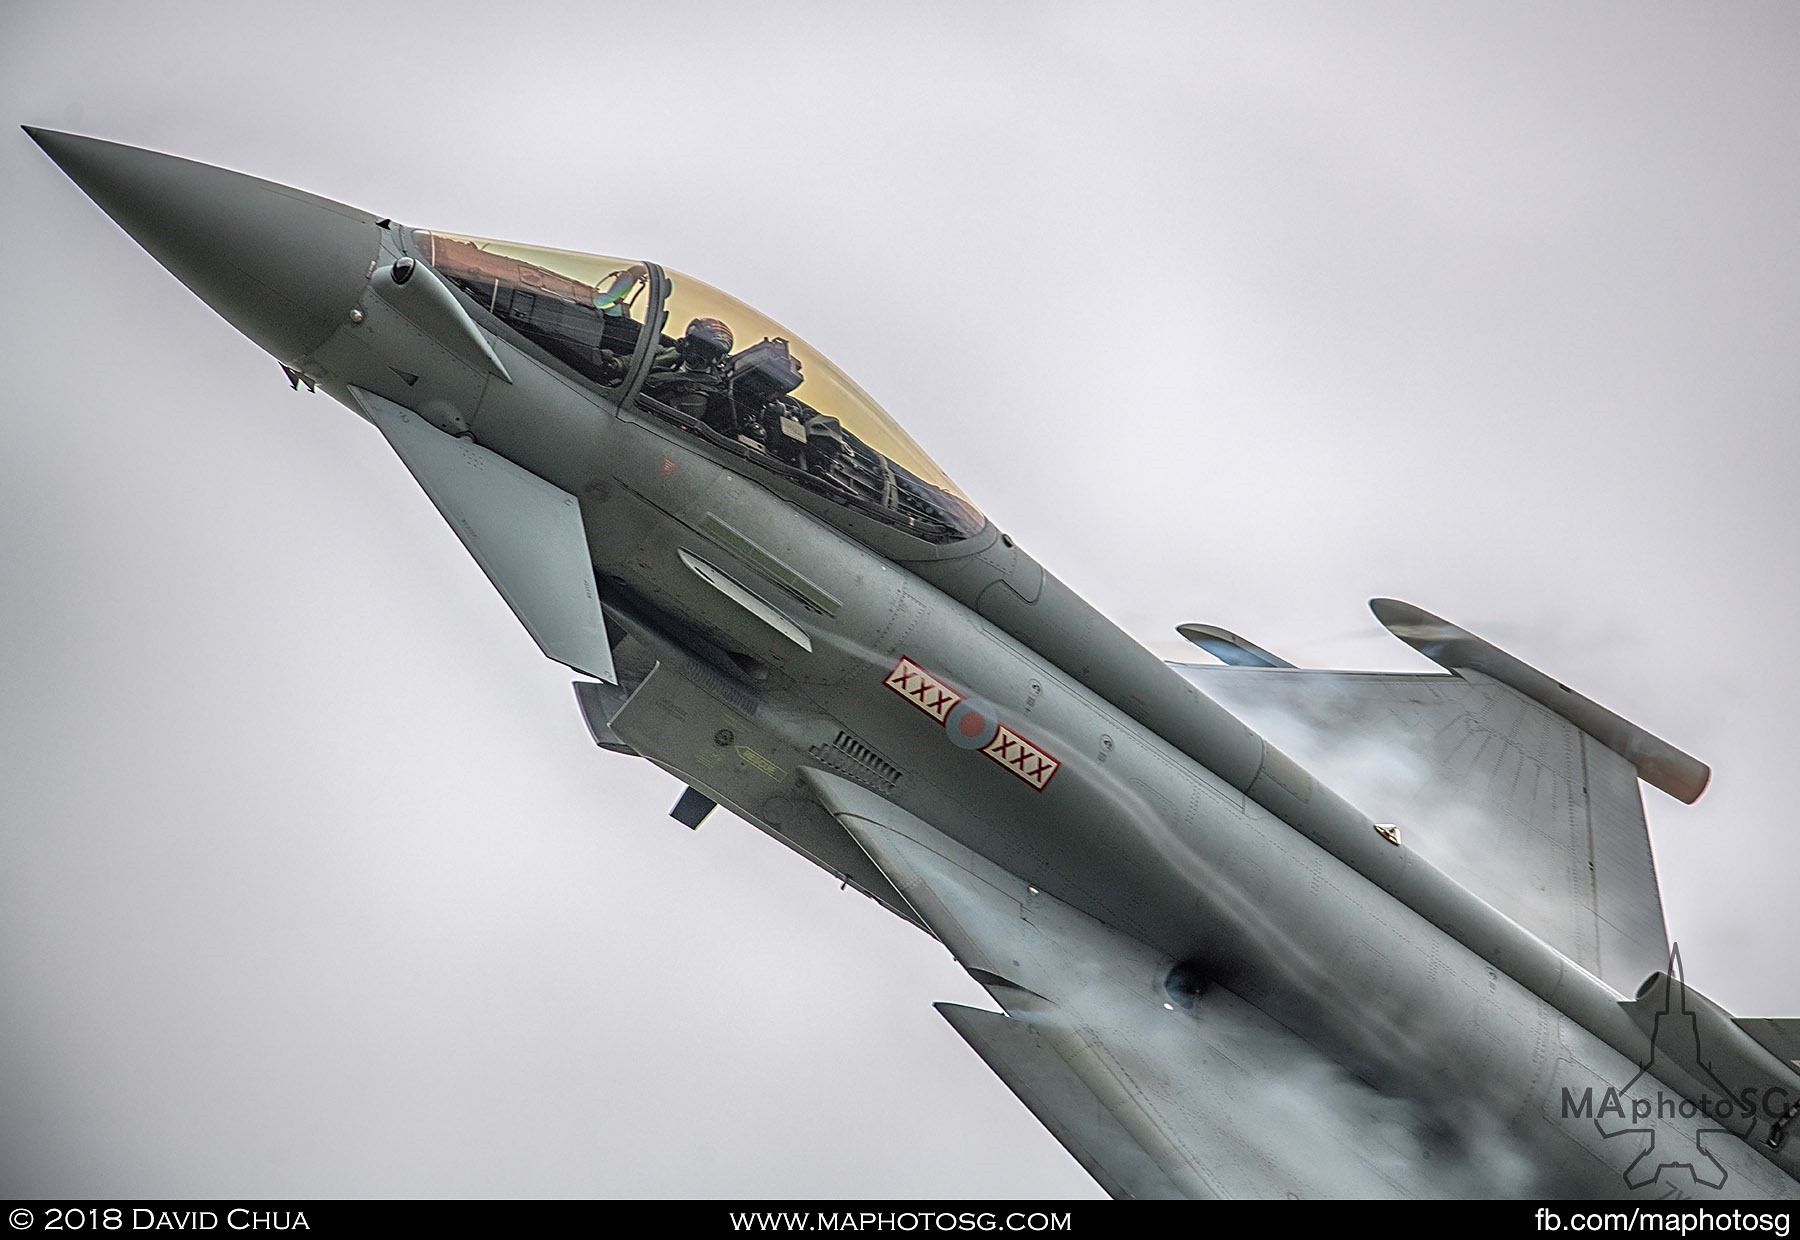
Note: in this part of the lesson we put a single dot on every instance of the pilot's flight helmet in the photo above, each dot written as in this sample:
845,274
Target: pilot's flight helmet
705,342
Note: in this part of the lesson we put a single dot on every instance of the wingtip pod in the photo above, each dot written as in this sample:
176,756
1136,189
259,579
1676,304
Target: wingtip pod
1227,647
1414,625
1455,649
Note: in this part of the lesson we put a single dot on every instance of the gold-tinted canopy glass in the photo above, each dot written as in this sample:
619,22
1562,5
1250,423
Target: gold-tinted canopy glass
735,371
716,367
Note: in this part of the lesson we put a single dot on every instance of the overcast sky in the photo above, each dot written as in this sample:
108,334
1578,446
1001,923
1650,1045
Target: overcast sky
311,882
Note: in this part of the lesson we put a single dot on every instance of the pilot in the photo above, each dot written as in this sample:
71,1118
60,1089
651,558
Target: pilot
691,375
605,367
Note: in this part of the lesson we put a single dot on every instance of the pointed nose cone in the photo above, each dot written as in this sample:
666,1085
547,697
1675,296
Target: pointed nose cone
282,266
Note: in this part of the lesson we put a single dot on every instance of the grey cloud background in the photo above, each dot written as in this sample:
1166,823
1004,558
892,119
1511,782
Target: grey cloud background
310,881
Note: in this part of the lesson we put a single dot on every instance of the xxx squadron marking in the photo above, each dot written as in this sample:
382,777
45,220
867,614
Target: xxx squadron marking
972,724
922,689
1022,758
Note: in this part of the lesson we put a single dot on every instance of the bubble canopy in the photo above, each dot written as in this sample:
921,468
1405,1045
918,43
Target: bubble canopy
713,366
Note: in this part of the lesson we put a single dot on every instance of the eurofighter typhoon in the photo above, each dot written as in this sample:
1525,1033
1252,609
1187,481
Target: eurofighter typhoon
1250,929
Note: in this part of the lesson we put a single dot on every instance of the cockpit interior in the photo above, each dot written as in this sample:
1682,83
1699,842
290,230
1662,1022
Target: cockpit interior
713,366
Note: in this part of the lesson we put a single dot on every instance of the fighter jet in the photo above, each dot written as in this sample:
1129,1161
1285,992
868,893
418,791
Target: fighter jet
1249,929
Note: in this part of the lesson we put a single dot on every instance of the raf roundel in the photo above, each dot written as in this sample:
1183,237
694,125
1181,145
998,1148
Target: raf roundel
972,724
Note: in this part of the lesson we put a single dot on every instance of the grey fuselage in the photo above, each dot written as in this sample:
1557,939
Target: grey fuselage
1165,819
1194,836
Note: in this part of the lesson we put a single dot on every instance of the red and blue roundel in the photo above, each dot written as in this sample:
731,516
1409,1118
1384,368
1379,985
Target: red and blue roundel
972,723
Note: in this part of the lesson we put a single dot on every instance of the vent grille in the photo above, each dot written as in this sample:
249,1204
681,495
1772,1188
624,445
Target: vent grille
849,756
734,695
